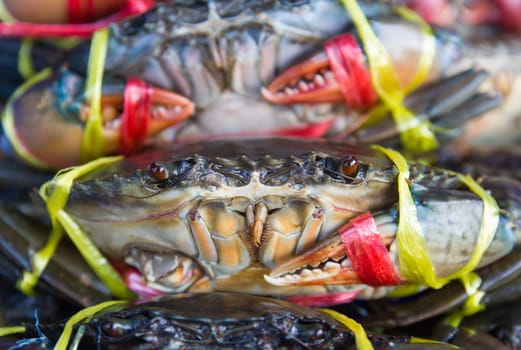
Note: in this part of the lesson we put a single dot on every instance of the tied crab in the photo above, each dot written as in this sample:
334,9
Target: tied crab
299,75
197,322
268,217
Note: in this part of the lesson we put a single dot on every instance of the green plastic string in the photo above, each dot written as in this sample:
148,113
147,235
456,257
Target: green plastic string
25,64
362,341
415,135
55,194
4,331
84,314
93,143
8,118
5,15
427,52
415,263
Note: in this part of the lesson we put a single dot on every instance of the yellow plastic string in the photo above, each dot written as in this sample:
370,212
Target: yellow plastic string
84,314
55,194
415,263
471,306
415,135
471,281
489,224
93,143
418,340
427,52
404,290
362,341
8,118
5,15
39,262
66,43
25,64
4,331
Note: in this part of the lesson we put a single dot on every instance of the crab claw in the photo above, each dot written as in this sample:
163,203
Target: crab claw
311,81
44,119
339,73
325,264
332,76
142,111
447,225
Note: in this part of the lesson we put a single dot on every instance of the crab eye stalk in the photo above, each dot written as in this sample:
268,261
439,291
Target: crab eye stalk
347,170
158,171
350,166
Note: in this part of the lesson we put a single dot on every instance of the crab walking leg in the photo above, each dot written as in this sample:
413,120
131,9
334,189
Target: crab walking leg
202,237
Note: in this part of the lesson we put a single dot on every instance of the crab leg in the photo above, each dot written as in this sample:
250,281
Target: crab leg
158,109
41,109
342,262
330,255
332,76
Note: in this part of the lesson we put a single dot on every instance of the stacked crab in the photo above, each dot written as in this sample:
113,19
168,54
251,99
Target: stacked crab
211,154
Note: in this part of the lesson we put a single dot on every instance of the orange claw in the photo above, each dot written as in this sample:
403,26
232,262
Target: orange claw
43,136
326,263
167,109
311,81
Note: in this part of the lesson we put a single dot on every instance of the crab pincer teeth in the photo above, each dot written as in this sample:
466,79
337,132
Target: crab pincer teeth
167,109
311,81
326,263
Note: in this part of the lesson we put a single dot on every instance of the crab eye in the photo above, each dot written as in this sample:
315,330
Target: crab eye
350,166
158,171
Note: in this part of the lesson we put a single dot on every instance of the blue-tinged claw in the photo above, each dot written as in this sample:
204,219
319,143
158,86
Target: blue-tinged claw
45,118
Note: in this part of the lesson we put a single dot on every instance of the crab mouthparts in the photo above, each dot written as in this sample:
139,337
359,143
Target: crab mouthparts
327,263
311,81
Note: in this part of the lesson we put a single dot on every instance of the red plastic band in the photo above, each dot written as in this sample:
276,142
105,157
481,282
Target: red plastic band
136,113
77,14
367,252
25,29
309,130
74,11
134,281
90,11
347,62
324,300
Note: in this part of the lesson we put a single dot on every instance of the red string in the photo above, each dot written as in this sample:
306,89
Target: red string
74,13
134,280
325,299
90,11
367,252
136,113
347,62
26,29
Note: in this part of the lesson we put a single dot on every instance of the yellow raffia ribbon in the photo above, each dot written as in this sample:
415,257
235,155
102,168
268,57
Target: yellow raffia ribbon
84,314
489,224
5,15
417,340
472,305
4,331
93,143
415,135
362,341
8,118
427,52
25,64
56,193
415,263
